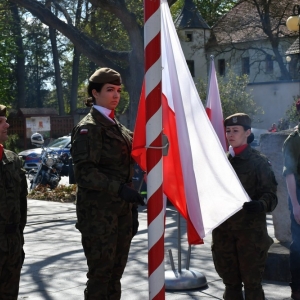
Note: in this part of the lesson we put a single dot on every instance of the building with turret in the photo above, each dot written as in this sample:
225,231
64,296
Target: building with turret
246,42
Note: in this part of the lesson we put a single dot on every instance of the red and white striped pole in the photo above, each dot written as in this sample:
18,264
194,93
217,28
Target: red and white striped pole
153,75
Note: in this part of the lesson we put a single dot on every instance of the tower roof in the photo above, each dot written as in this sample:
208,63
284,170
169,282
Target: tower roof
190,17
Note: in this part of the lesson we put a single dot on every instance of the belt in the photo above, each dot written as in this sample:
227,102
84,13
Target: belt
9,228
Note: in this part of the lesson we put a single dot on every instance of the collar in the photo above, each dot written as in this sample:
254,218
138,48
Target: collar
244,154
102,119
104,111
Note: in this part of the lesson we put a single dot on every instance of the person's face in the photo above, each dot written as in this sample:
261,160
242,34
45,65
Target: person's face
236,135
3,129
109,96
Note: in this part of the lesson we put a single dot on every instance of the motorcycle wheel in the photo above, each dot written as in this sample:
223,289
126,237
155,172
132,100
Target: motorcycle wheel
35,181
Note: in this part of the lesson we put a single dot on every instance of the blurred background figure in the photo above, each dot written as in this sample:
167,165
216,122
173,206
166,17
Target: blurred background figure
273,128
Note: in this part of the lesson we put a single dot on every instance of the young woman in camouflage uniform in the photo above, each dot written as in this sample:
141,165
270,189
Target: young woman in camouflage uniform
106,201
13,215
240,244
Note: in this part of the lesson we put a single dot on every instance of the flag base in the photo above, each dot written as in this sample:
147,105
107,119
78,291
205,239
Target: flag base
184,280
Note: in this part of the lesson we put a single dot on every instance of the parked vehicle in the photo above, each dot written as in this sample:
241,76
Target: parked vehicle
32,157
53,165
257,133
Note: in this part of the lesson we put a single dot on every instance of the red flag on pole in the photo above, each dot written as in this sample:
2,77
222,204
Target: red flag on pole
214,107
197,177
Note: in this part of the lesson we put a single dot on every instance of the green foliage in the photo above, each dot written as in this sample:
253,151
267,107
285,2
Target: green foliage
283,124
176,8
7,52
13,143
210,10
39,67
291,113
233,94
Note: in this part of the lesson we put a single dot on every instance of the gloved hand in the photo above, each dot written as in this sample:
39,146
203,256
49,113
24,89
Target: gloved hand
254,207
135,220
130,195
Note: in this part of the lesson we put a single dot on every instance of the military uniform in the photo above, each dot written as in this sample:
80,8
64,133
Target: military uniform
101,152
291,165
13,215
240,244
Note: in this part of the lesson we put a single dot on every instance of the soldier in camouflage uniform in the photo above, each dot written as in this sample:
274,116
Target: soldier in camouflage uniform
13,215
240,244
291,171
106,201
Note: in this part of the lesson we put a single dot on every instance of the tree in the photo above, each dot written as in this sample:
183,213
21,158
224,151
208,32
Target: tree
19,66
211,11
128,59
233,93
38,66
292,114
251,21
8,52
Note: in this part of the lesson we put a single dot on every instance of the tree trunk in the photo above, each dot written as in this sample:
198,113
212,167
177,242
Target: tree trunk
20,58
74,86
58,83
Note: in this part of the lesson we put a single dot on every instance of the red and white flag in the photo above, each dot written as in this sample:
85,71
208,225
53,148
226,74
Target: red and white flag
214,107
197,176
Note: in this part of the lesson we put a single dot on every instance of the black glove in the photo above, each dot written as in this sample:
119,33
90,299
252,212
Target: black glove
254,207
135,220
130,195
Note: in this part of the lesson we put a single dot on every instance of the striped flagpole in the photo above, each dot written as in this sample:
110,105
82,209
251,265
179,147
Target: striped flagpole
153,70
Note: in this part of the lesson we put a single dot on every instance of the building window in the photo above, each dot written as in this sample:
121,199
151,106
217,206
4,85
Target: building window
246,65
269,64
294,66
191,66
188,36
221,67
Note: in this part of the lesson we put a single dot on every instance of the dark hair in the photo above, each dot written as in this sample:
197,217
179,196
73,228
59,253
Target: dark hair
92,86
250,138
246,127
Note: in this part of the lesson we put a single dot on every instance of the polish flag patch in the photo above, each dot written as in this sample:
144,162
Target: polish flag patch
84,131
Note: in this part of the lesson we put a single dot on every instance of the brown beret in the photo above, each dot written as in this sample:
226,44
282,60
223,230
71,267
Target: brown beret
106,75
238,119
2,111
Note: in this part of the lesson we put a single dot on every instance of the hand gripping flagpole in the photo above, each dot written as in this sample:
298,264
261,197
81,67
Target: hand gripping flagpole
152,17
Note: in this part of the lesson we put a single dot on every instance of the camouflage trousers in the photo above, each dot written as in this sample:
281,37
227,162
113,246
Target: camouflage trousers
106,230
239,257
10,265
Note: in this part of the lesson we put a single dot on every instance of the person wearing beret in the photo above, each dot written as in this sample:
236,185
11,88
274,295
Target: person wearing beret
240,244
291,172
106,203
13,215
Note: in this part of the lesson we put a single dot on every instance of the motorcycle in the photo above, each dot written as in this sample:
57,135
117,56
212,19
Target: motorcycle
53,165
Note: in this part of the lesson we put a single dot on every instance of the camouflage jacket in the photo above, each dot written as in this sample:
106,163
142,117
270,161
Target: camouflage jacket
13,191
257,177
101,152
291,155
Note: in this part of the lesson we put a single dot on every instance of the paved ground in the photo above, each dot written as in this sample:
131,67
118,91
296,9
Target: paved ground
55,266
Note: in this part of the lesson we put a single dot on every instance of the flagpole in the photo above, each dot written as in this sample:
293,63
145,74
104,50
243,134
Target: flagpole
153,89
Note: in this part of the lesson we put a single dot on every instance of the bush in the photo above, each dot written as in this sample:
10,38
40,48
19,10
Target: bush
291,113
13,143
